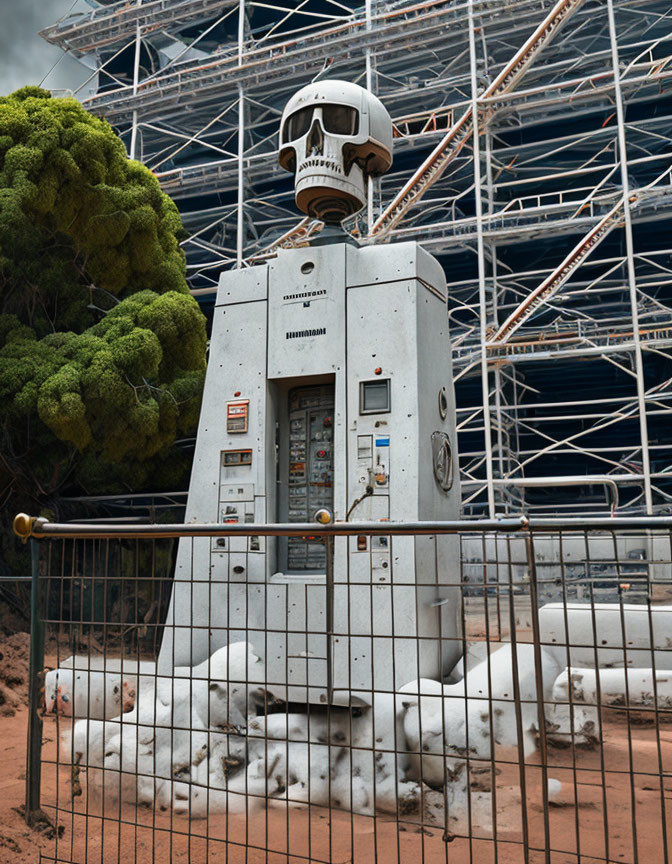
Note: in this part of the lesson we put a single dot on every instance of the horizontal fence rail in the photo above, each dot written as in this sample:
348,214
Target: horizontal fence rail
490,691
40,529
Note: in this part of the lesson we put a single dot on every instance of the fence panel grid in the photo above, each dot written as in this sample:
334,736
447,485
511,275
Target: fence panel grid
512,706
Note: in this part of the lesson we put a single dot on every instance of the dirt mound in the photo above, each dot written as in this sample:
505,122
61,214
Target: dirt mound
14,656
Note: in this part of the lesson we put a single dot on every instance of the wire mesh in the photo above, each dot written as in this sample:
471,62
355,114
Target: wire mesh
546,741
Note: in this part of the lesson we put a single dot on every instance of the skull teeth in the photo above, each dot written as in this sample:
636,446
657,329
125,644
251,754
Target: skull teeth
320,163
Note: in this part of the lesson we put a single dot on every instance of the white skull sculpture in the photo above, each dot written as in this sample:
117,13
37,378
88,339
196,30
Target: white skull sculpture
333,135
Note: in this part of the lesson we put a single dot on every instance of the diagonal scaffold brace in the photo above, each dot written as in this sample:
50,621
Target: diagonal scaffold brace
459,134
453,141
557,278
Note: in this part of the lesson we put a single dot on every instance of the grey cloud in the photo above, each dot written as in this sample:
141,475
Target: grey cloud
25,58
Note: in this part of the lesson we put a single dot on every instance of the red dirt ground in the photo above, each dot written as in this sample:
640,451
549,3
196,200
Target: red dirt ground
636,759
145,836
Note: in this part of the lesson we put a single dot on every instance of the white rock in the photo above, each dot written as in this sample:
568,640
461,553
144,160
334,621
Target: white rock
445,724
554,788
644,687
85,743
314,726
227,756
94,694
129,769
607,634
570,722
224,689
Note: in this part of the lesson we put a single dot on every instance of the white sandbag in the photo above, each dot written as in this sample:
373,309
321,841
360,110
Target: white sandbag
607,634
443,724
647,688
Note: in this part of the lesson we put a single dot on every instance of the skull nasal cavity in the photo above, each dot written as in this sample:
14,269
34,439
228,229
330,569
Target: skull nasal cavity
315,139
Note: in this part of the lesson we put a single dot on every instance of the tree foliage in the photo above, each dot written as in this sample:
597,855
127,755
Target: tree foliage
102,348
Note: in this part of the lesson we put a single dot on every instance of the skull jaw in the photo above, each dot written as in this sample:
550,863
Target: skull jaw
324,192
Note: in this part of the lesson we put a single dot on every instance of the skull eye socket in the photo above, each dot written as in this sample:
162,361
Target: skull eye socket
298,124
340,119
336,119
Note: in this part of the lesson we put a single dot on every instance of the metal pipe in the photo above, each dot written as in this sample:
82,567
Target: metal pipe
136,72
538,667
369,87
607,400
632,281
482,298
41,528
240,213
329,556
578,480
35,683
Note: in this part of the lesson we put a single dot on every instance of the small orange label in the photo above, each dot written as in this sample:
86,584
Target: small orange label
237,414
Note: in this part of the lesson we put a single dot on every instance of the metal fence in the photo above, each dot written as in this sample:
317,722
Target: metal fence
534,728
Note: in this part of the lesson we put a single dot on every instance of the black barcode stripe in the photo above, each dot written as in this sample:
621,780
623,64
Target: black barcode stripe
305,294
299,334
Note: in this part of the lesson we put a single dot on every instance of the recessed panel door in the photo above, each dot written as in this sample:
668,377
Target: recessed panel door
310,469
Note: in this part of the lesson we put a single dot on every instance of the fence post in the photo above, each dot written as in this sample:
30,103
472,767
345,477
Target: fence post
329,550
35,684
541,702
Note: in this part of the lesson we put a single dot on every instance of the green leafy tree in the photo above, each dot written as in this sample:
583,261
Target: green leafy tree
102,348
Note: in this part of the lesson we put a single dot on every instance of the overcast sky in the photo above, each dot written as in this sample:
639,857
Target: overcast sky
25,58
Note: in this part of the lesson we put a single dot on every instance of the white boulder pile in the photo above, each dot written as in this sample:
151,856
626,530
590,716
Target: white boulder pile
197,743
194,743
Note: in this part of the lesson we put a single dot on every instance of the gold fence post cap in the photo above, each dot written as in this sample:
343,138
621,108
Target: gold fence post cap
23,525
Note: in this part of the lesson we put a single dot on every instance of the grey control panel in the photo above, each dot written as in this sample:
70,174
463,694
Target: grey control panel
310,468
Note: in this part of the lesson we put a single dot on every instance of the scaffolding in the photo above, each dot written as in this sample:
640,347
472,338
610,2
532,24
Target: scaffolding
533,156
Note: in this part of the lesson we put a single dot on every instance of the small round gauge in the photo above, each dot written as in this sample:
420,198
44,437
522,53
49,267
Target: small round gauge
442,460
443,403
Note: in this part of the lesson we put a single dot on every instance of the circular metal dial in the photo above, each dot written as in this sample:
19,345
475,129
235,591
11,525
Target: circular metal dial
443,403
442,460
